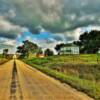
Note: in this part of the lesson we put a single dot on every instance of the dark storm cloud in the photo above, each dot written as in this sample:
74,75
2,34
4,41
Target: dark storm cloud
8,35
54,15
10,30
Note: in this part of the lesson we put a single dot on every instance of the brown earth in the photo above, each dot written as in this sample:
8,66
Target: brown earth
19,81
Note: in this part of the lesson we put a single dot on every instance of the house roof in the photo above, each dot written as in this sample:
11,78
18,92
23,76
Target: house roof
69,45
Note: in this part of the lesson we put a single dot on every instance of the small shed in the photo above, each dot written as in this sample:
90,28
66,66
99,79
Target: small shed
40,55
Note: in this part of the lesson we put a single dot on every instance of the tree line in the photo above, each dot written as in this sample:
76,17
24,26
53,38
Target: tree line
89,42
29,48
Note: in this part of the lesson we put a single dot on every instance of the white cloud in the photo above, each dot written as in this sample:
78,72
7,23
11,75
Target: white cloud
10,42
6,41
10,13
74,35
95,28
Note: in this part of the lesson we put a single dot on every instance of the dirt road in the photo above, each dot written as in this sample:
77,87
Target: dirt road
19,81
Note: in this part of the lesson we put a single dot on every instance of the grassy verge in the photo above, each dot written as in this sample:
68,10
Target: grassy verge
89,87
2,61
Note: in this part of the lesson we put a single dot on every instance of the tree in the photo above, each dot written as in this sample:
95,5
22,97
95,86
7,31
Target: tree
58,46
5,52
39,51
23,52
27,48
89,42
30,46
49,52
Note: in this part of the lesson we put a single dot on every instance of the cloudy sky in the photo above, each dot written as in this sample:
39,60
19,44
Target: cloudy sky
46,22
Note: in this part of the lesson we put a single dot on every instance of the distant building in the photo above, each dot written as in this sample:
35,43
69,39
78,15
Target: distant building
69,49
40,55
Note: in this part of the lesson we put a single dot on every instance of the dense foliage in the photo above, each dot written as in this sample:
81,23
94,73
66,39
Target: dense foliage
5,52
48,52
89,42
27,48
58,46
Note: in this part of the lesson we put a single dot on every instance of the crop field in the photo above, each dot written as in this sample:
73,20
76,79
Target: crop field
80,71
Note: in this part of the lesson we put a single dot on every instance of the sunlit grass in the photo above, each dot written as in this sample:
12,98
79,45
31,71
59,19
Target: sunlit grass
80,71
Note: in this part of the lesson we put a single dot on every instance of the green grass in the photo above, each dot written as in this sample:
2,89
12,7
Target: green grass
2,60
80,71
82,59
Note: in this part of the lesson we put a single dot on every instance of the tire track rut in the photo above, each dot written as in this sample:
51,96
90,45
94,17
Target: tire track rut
15,88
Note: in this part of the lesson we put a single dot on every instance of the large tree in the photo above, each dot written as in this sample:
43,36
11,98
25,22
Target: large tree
58,46
23,52
89,42
27,48
5,52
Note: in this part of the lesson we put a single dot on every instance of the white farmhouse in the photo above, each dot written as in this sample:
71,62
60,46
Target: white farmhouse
99,51
69,49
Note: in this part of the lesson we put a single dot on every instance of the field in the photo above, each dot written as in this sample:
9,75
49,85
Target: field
2,60
80,71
